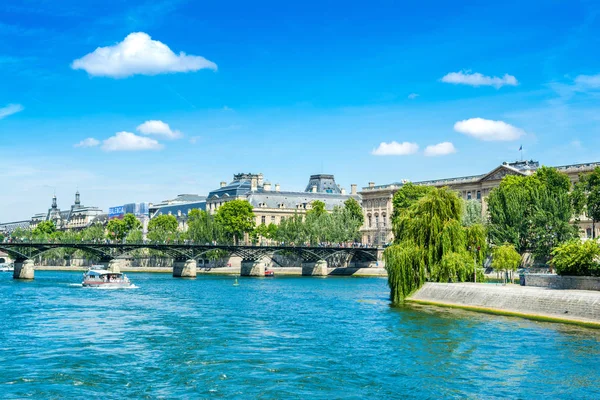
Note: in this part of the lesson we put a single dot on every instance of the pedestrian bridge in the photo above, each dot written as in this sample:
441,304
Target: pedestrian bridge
315,259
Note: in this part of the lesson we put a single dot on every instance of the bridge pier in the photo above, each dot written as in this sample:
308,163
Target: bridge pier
23,270
185,269
115,266
254,268
318,268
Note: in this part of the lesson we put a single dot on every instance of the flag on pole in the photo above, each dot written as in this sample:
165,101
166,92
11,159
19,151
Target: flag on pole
521,148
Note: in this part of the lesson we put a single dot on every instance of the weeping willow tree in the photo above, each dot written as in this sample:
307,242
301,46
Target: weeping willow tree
432,244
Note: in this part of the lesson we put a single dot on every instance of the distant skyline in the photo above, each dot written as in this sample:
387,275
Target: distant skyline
143,100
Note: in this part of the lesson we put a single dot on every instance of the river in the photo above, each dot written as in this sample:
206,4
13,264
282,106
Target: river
273,338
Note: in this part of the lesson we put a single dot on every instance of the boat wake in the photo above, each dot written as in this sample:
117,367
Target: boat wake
111,288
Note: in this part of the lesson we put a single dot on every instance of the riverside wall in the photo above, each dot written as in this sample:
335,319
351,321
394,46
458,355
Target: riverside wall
574,306
561,282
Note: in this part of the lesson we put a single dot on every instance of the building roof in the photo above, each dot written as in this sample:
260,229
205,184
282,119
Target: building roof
291,200
175,209
518,167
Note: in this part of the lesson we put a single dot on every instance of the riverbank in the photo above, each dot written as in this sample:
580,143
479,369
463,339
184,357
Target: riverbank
285,271
566,306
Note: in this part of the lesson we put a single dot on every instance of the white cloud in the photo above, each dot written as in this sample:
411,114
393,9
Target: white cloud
584,82
440,149
139,54
89,142
488,130
156,127
195,139
413,96
127,141
395,149
477,79
10,110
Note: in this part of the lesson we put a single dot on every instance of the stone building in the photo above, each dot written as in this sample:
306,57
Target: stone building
271,204
76,217
377,200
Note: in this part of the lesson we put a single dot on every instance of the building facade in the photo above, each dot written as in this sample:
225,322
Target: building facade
271,204
378,208
76,217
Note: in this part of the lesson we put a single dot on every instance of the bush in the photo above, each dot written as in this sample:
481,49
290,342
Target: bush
577,258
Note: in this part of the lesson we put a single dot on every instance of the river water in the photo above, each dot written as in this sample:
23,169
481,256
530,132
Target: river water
274,338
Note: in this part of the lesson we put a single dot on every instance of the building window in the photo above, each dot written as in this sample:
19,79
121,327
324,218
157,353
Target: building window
469,195
479,195
376,220
272,219
263,220
589,232
383,219
369,218
281,219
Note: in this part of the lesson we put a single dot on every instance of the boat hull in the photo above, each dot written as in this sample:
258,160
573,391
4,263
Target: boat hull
108,285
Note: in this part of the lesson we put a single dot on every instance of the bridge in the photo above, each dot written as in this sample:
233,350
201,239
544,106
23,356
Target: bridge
255,259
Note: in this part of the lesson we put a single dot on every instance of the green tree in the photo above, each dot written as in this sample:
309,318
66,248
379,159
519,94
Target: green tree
163,228
472,213
505,258
93,233
131,223
577,258
43,230
432,243
355,211
236,218
586,197
117,229
202,228
533,213
317,208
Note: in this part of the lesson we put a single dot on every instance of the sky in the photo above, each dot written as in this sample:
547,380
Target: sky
133,101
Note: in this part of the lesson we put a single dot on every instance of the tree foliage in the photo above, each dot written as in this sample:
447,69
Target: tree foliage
505,258
163,228
43,230
577,258
236,218
472,213
203,229
355,211
532,213
586,197
431,242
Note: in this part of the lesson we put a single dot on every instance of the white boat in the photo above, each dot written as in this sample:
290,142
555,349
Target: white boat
7,267
103,278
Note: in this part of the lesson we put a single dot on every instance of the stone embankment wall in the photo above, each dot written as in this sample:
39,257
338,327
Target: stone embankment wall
532,302
561,282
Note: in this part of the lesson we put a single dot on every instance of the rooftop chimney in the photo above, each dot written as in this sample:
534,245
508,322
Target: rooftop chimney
277,188
343,191
267,187
313,189
253,184
353,189
223,183
371,184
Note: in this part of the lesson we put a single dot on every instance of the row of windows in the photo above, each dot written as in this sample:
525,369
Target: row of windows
263,220
383,220
478,194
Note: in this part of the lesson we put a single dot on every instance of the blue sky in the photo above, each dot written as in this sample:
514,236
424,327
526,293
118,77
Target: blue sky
287,89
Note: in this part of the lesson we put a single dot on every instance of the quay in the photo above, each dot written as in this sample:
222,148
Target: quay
580,307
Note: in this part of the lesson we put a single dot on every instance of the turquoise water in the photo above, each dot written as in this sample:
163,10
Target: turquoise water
274,338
